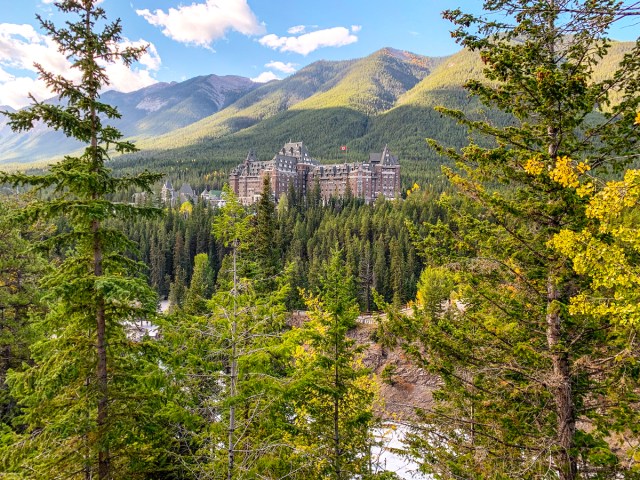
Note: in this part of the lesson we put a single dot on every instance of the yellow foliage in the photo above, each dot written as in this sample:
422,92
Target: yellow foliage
586,189
534,166
615,196
419,298
186,209
608,260
637,122
415,187
583,167
564,173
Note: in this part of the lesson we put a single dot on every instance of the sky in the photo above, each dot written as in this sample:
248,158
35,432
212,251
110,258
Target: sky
259,39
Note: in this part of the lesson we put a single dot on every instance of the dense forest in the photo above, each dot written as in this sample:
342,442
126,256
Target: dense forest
519,265
375,240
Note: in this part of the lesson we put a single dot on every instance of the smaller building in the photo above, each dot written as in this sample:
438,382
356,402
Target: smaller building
139,198
167,193
187,194
213,197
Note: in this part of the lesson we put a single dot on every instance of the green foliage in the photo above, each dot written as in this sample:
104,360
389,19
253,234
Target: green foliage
89,396
434,290
265,245
521,391
201,286
332,395
228,367
20,272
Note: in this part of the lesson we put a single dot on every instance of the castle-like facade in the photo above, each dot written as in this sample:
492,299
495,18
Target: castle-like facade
293,165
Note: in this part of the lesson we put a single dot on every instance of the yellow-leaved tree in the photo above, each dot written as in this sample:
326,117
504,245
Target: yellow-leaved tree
608,249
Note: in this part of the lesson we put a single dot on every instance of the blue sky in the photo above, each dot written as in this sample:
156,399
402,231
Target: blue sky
260,39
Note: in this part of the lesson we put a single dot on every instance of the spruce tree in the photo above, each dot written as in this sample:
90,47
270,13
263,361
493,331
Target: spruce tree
79,394
264,246
201,286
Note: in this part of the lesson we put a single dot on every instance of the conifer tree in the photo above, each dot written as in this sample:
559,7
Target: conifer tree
366,275
201,286
77,396
380,266
264,245
528,386
332,393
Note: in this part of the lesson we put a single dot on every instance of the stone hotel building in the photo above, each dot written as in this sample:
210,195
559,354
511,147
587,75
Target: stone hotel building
293,165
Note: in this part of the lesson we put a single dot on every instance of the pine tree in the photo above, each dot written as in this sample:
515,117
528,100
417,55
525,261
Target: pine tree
380,267
77,395
230,364
201,286
333,394
264,245
157,262
366,275
397,271
520,372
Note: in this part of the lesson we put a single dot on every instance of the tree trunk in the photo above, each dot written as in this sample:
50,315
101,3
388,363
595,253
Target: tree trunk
234,370
101,371
336,415
561,386
561,383
101,340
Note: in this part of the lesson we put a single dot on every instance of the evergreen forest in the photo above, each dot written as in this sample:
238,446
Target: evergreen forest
289,339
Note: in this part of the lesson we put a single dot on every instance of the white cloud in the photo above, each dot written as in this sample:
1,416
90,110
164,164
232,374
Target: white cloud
21,46
297,29
14,92
150,59
5,76
202,23
265,77
309,42
356,28
282,67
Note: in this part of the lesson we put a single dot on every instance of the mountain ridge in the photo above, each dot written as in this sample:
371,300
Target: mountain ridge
386,97
149,111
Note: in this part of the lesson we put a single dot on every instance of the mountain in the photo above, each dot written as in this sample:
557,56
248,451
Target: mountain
187,131
325,104
148,112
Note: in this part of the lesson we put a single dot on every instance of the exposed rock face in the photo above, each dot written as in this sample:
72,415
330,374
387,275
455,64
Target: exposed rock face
407,387
403,386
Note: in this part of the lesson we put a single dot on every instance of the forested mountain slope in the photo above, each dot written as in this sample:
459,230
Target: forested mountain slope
342,94
204,126
326,104
385,98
